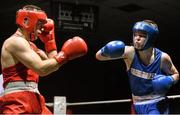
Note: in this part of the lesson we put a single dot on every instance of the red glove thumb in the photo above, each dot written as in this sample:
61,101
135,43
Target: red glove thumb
47,27
71,49
74,48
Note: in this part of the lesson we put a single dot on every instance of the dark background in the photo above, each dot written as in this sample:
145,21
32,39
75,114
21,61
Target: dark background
86,79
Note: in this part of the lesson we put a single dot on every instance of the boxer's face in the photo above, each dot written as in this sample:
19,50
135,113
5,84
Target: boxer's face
37,29
39,26
139,39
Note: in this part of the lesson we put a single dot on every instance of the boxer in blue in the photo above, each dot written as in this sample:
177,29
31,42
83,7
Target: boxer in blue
151,71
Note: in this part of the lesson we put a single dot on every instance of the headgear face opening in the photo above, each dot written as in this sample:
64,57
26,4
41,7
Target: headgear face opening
151,31
27,19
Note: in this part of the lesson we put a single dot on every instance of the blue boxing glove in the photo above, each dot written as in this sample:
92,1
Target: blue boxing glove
113,49
162,83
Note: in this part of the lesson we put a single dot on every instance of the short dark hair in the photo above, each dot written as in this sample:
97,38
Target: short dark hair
31,7
151,23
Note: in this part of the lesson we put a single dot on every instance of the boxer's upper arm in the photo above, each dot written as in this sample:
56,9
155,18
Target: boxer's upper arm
21,49
128,56
167,64
168,67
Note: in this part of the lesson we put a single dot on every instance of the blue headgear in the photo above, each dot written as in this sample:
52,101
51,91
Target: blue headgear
149,29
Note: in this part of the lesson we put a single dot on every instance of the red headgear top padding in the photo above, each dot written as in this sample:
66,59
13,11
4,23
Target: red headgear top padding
28,19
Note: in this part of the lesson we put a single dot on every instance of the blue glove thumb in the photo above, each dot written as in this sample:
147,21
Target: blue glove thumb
162,83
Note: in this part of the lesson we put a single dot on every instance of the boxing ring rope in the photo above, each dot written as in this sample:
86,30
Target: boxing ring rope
60,103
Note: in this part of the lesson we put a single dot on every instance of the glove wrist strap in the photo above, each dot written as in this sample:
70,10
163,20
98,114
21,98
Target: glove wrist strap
50,46
61,57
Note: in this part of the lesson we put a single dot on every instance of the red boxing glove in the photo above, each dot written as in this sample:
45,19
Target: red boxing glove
71,49
48,36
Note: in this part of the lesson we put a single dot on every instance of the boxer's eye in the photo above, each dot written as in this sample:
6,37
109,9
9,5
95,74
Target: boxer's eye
39,24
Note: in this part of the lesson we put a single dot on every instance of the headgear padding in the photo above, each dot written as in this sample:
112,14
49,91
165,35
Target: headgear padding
151,31
28,19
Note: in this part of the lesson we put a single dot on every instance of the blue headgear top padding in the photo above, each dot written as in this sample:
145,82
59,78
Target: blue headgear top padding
151,31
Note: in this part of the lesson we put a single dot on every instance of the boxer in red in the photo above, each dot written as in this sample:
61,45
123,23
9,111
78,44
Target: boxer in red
22,62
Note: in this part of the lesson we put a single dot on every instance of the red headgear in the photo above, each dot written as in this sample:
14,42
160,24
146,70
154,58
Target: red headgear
28,19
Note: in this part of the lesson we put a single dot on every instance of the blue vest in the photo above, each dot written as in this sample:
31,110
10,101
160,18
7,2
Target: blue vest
140,76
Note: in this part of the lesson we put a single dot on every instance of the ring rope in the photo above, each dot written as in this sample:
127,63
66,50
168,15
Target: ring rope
99,102
50,104
104,102
173,96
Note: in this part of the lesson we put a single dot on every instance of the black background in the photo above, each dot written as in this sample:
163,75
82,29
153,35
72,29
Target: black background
86,79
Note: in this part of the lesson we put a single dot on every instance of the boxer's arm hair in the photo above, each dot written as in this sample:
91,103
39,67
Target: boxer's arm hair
168,66
20,48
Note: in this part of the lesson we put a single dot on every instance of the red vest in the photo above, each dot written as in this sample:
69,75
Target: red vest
19,72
